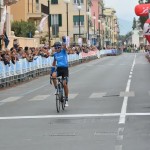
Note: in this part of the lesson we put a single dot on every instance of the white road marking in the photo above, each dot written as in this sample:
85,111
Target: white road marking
39,98
59,116
74,116
127,94
119,137
125,101
128,85
10,99
72,96
138,114
97,95
130,76
118,147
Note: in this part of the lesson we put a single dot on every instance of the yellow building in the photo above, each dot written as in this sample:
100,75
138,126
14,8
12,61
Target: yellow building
26,10
31,10
111,27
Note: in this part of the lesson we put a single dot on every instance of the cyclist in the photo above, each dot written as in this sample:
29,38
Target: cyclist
60,67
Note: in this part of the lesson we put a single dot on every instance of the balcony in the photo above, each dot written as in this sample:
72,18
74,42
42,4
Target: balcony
36,15
10,2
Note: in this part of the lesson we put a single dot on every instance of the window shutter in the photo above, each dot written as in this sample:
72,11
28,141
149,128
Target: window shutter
60,19
54,1
75,18
82,18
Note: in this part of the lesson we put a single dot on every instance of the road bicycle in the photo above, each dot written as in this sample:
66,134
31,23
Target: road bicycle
60,98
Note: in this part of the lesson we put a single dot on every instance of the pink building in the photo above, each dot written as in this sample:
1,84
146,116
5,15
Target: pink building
96,9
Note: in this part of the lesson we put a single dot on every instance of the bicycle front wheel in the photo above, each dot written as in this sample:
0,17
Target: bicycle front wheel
58,103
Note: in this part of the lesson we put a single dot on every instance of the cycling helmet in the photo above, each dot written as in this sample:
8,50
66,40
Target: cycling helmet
57,45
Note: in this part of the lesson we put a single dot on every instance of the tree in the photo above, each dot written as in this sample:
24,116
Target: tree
134,24
141,2
23,29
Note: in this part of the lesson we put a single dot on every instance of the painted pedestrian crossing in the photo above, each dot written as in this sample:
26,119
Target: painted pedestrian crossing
10,99
39,98
97,95
92,96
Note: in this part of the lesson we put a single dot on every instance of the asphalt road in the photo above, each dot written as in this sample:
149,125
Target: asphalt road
109,109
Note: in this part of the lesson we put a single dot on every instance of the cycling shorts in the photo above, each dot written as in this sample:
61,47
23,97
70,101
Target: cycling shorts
62,71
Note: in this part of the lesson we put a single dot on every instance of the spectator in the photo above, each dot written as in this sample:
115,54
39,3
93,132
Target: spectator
6,57
15,44
14,55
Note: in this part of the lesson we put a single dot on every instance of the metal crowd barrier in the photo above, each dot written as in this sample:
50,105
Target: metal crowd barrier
23,70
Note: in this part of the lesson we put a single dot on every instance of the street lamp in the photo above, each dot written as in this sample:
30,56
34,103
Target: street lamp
88,14
79,8
99,21
103,24
67,2
49,33
94,17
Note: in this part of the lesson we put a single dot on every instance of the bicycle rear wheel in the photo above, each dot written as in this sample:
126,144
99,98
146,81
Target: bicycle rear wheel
63,103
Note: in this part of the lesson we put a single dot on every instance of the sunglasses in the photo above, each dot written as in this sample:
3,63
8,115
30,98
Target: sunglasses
57,47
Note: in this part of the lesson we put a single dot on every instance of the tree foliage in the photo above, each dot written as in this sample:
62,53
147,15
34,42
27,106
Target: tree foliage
147,1
23,29
141,1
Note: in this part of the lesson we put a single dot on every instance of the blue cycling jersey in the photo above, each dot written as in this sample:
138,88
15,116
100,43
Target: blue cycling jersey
61,58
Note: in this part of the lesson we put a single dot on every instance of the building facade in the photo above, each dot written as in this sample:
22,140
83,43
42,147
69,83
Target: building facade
111,27
69,17
4,16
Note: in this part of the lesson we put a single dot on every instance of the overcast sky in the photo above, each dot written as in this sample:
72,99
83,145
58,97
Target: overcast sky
124,11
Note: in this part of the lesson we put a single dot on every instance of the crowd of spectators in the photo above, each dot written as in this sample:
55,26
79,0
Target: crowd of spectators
29,53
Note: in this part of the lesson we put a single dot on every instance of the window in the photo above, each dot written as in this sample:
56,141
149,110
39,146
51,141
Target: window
78,1
54,1
76,20
56,19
